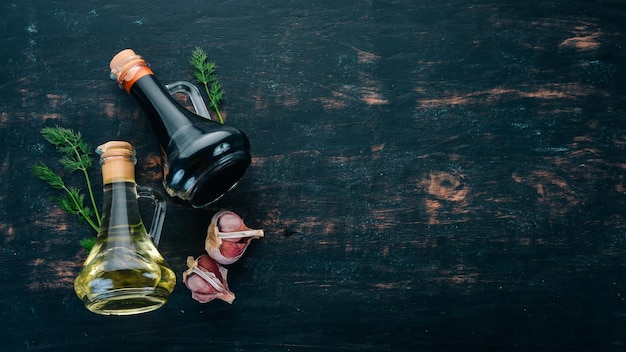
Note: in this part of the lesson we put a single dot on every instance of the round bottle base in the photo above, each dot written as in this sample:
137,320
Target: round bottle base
127,301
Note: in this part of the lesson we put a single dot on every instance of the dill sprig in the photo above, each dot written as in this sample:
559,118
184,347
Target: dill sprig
204,70
76,156
88,243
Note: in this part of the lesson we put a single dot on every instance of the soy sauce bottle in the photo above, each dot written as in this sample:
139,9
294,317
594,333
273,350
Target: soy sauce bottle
202,159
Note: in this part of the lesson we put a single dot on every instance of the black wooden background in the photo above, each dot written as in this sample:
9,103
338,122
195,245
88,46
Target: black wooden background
430,175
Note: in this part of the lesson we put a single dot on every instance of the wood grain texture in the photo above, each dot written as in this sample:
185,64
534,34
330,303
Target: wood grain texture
430,175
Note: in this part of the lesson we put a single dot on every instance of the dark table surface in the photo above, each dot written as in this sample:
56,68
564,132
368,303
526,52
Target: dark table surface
430,175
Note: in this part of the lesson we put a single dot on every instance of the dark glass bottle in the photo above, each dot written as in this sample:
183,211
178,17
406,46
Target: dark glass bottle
202,159
124,273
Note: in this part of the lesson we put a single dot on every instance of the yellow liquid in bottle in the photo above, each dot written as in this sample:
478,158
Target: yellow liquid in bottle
124,273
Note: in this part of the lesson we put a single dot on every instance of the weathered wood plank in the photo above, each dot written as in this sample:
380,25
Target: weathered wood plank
430,175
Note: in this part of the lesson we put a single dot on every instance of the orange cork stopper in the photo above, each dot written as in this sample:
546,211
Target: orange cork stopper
118,162
127,67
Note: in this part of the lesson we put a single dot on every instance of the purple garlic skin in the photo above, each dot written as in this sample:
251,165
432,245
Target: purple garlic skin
207,280
228,237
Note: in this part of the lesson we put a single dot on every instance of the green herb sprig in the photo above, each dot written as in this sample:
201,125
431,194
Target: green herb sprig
204,70
76,156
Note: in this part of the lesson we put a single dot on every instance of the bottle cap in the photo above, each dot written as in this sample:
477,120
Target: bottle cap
127,67
118,161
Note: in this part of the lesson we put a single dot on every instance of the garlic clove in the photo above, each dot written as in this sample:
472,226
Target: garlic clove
228,237
206,280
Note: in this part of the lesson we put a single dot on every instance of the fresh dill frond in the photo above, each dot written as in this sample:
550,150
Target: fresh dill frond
76,155
204,71
43,172
76,152
88,243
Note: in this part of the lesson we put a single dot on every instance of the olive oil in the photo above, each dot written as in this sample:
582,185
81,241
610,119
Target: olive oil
124,272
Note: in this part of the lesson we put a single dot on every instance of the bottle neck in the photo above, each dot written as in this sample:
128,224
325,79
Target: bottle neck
166,116
121,211
117,159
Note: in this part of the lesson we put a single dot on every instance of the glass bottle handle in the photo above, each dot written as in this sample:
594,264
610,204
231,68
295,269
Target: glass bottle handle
159,211
194,95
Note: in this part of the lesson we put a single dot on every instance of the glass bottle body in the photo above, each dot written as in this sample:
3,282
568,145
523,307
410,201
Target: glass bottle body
124,272
202,159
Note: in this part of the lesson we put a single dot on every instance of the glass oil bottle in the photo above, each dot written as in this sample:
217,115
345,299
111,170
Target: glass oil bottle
124,273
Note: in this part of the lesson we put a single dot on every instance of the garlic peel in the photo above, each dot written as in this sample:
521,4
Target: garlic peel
207,280
228,237
241,234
